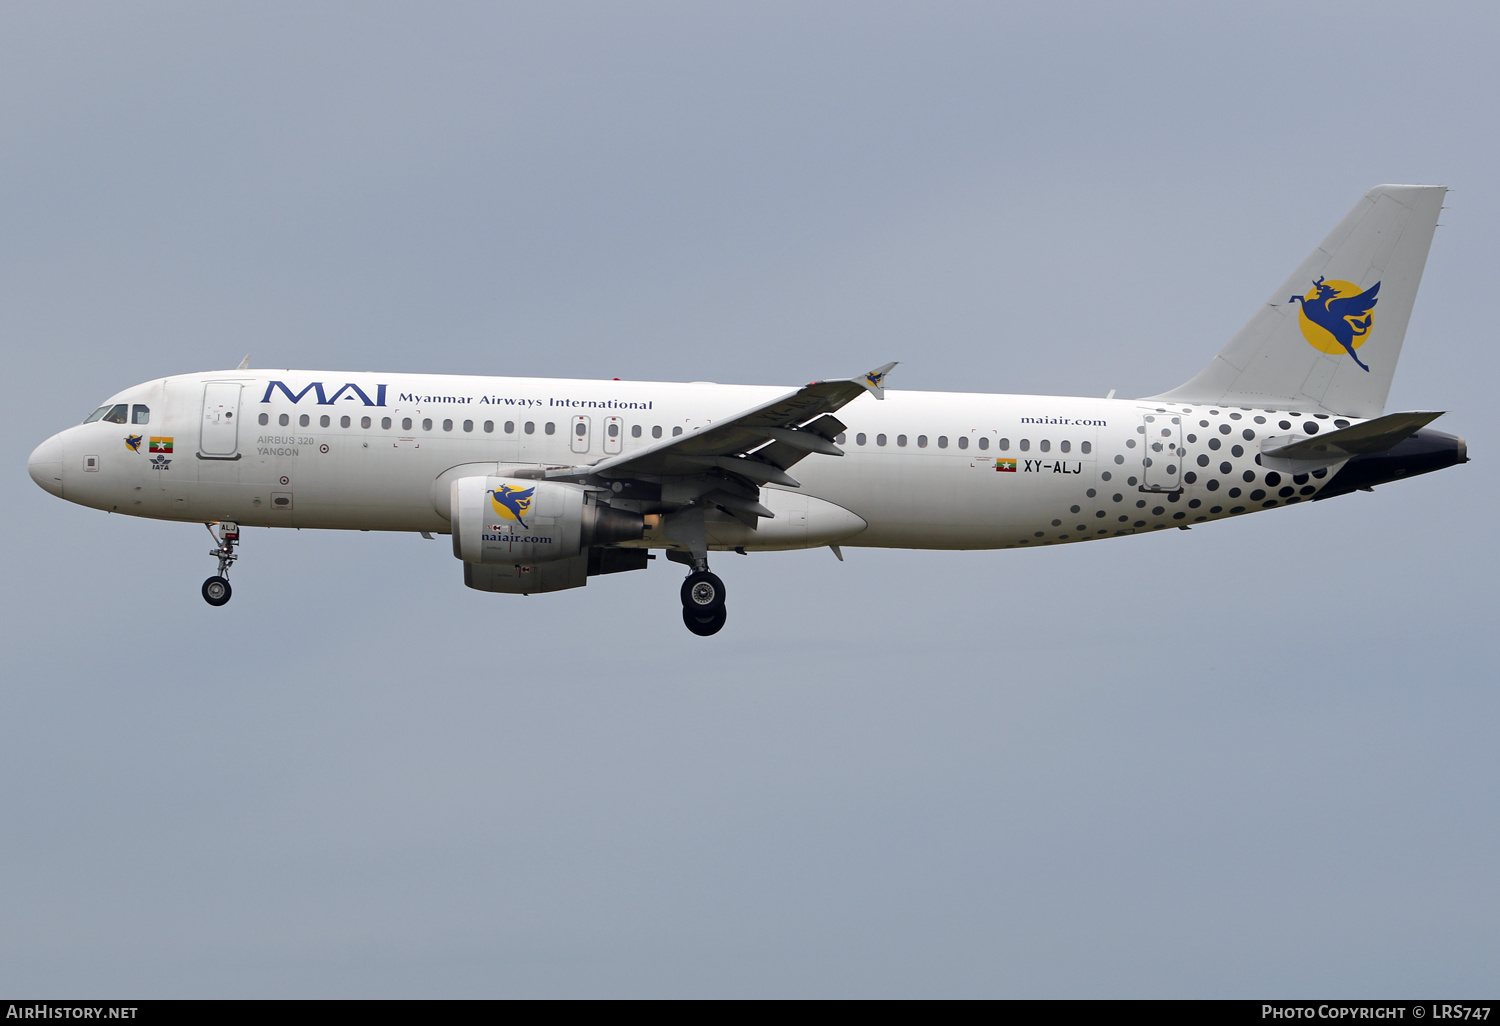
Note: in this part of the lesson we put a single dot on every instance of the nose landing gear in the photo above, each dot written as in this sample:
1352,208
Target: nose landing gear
703,603
216,590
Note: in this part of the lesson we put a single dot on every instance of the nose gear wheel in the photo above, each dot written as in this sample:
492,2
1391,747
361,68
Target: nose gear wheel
216,590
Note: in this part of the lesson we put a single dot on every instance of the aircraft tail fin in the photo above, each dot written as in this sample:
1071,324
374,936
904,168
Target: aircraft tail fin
1329,338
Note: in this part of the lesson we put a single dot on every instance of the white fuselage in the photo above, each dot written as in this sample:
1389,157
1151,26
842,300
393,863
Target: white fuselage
315,449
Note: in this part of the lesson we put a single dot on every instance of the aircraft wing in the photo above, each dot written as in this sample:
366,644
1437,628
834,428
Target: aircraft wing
734,456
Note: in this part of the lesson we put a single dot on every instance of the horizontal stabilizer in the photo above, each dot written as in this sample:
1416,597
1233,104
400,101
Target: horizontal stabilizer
1298,454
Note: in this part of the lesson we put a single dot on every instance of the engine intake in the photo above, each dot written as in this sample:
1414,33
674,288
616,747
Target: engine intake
514,521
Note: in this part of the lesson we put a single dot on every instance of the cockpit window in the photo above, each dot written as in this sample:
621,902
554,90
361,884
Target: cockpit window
97,414
140,414
115,414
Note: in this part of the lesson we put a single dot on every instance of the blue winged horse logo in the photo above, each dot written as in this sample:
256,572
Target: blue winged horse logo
512,503
1342,311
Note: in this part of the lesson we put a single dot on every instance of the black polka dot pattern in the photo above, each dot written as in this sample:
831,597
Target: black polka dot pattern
1209,465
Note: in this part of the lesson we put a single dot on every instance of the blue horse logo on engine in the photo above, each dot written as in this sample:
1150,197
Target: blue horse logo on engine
1336,317
512,503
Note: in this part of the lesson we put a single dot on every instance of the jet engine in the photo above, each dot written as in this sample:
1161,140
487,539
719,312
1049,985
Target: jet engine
514,521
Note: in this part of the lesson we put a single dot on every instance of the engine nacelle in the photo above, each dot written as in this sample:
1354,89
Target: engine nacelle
516,521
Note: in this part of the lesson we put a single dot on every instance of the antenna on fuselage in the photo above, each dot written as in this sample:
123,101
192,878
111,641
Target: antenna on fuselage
245,363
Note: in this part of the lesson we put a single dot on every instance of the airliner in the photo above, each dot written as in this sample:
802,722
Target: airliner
542,484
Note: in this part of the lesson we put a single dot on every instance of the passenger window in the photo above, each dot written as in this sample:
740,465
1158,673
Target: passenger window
551,428
510,427
656,431
676,431
405,423
140,414
1004,445
984,443
1045,445
1065,445
364,422
323,421
531,427
580,429
1025,445
489,427
839,439
426,423
264,419
447,425
942,441
963,441
880,439
468,425
635,431
859,439
901,441
385,423
921,441
304,420
284,420
116,414
344,422
613,430
97,415
1085,447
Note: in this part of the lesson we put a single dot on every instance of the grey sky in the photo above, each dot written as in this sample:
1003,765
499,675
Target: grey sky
1252,759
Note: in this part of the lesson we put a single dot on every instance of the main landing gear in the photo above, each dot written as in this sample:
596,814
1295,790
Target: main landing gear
703,603
216,590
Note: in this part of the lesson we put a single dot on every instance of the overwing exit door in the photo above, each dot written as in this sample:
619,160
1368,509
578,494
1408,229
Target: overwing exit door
580,434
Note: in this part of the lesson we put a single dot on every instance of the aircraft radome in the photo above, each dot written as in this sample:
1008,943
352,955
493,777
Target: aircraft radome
544,483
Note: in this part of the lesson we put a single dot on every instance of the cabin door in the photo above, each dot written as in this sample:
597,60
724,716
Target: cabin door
1161,463
220,438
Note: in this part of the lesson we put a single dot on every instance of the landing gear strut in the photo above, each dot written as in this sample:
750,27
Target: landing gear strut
703,603
216,590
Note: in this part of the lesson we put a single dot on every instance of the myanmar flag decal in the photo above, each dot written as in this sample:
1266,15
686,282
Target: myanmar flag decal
1006,466
165,444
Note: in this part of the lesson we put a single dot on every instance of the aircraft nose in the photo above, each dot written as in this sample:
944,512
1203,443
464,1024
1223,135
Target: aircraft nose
46,465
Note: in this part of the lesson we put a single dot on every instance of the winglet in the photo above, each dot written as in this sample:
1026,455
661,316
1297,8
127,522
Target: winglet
874,381
245,363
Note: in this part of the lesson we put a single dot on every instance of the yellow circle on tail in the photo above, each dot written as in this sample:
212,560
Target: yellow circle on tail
1318,336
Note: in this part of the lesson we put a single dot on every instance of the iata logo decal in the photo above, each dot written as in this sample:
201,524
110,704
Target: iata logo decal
133,443
1336,317
512,503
